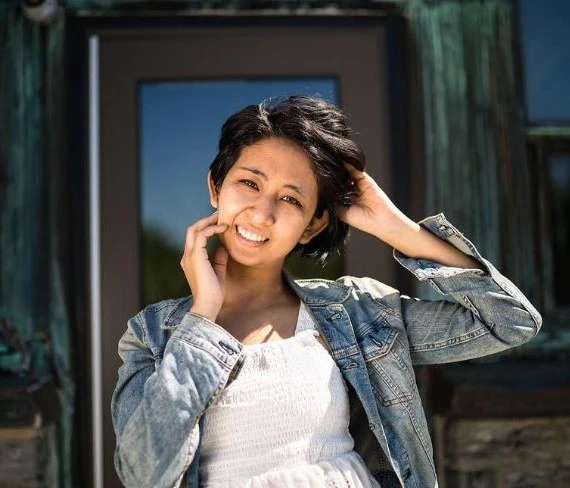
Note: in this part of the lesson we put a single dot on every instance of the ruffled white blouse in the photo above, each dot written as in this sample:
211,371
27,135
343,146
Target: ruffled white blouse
283,422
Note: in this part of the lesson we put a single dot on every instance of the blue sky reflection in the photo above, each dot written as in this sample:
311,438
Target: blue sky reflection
545,37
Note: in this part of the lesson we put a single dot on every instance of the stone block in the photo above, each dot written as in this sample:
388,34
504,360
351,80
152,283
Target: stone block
505,453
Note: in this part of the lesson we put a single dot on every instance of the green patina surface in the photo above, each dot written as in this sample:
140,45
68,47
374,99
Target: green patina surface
32,291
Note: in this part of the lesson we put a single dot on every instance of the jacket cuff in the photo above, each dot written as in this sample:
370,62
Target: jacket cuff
424,269
210,337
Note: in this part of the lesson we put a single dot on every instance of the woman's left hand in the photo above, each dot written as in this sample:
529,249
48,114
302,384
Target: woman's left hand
375,213
372,209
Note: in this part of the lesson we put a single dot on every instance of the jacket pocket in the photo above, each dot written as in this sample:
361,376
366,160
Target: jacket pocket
389,381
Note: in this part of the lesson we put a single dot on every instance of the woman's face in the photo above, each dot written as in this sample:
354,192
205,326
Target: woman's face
268,200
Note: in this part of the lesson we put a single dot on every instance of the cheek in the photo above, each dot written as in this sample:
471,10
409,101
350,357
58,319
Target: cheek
228,206
296,226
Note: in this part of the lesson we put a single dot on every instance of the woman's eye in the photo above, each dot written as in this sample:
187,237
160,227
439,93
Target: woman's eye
293,201
249,183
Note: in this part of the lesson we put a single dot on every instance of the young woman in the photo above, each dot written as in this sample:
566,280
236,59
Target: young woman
258,380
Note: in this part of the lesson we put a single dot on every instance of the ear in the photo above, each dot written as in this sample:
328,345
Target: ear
212,191
317,225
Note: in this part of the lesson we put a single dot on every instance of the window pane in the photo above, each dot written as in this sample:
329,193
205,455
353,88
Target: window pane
559,176
179,129
546,59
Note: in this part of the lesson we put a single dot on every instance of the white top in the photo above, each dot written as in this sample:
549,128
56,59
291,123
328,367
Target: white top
283,421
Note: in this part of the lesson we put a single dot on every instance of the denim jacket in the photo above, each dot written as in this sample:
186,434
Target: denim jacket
176,364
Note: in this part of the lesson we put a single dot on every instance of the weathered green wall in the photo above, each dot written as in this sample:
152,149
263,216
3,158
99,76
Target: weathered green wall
476,167
32,289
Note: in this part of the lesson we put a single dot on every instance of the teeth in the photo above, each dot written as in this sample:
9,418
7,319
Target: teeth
250,235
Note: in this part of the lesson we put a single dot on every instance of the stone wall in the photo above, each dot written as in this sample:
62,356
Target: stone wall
28,457
503,453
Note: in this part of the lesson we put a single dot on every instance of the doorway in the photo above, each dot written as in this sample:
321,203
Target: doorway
157,98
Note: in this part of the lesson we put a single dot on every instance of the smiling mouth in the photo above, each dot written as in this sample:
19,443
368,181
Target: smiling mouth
250,236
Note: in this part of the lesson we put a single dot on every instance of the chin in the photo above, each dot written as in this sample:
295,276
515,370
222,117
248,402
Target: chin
244,260
252,260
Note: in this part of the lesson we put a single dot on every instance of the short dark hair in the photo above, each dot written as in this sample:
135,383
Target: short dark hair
320,129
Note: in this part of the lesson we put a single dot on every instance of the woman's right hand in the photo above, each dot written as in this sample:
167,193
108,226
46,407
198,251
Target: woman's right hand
206,280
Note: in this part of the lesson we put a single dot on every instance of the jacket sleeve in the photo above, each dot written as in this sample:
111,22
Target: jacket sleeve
157,401
487,313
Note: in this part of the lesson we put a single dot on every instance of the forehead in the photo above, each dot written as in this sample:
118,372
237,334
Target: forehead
278,159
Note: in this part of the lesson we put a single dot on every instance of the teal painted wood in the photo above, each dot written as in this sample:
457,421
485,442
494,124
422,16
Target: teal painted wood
476,167
32,288
22,167
104,5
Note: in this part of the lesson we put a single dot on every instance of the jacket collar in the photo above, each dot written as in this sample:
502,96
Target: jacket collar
313,292
318,291
177,313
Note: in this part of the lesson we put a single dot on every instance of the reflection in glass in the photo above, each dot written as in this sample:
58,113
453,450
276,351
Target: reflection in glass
546,59
179,128
559,195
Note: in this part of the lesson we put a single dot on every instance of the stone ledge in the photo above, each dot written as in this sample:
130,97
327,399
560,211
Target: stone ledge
508,453
27,457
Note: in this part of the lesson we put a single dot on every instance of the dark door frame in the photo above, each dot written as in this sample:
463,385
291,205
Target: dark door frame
400,127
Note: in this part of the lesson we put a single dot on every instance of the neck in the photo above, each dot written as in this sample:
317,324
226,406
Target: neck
253,287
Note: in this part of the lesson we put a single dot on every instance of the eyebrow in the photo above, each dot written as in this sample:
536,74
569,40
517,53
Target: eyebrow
258,172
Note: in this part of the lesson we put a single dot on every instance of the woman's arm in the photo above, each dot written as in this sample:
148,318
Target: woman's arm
414,241
376,214
158,400
491,313
161,394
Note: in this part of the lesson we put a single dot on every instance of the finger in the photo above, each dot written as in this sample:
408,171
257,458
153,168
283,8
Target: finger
201,237
341,211
220,263
354,171
356,176
198,226
203,223
197,241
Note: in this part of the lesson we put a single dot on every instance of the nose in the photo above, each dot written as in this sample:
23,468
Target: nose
263,211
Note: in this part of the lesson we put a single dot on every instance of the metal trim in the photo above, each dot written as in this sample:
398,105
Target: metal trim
95,263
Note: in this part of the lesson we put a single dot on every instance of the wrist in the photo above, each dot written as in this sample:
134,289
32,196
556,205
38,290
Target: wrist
393,226
209,312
